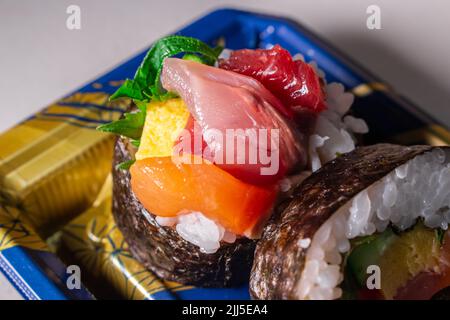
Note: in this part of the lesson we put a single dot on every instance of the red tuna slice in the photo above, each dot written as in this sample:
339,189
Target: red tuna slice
220,102
295,83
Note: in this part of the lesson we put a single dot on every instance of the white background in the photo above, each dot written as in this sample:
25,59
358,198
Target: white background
41,60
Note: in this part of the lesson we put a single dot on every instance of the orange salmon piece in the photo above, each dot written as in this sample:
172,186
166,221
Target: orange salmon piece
168,188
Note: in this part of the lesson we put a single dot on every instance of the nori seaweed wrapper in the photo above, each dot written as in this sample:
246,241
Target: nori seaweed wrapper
279,258
162,250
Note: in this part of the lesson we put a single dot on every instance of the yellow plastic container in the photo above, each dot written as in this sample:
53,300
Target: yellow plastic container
53,164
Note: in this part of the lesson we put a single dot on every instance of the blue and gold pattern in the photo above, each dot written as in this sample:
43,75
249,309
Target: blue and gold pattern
86,110
95,243
26,261
53,164
14,233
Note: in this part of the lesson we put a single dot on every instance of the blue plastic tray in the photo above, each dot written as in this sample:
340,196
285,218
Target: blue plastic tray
38,275
390,117
35,272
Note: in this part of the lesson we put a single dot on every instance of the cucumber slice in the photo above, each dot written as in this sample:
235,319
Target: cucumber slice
367,251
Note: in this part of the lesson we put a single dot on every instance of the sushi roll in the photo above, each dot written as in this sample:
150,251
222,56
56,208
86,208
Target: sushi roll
210,149
371,224
161,248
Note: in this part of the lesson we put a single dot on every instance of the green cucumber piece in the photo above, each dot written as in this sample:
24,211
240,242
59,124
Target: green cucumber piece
368,251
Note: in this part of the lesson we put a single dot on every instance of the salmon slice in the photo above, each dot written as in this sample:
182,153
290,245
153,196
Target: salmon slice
168,188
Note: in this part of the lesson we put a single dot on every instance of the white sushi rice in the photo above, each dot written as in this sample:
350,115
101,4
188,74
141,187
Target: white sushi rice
334,134
335,130
198,230
418,189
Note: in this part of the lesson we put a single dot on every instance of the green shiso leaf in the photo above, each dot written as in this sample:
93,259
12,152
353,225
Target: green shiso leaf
130,125
193,57
136,143
439,235
129,89
125,165
146,84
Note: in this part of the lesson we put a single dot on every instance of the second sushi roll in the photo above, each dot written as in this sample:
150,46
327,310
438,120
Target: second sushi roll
371,224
